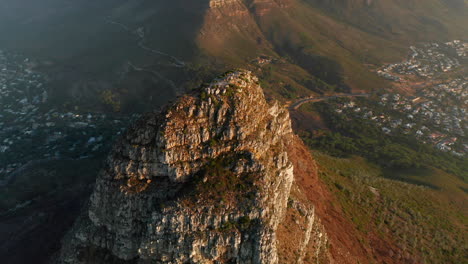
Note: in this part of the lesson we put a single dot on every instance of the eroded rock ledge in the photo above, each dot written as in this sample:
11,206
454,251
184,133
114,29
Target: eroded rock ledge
206,180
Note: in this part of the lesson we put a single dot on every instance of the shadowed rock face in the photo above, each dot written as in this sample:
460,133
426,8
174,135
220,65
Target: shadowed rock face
206,180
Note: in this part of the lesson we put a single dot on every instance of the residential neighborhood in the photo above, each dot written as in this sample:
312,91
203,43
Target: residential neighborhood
32,128
437,112
433,120
427,60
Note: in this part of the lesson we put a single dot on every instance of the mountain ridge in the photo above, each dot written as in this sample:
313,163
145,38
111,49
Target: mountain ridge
159,197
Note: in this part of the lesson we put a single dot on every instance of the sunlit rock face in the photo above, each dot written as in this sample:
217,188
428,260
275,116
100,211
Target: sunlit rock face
229,115
206,180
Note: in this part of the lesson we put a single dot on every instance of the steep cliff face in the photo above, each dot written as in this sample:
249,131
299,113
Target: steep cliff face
206,180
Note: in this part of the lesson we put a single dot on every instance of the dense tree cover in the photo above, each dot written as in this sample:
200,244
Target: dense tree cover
364,138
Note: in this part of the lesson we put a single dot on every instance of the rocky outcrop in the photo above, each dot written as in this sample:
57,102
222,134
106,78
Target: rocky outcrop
206,180
221,3
302,237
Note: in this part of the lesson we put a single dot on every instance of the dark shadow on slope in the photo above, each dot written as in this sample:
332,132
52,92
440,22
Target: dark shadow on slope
414,176
133,50
324,68
40,205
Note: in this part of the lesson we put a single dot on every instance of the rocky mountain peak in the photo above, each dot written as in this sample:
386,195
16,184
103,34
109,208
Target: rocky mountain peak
206,180
228,115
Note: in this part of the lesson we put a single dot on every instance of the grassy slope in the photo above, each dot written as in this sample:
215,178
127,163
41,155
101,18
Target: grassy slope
427,225
288,33
308,31
403,21
419,212
350,35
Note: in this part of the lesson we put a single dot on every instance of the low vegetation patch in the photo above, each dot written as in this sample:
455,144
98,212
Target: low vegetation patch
427,225
216,183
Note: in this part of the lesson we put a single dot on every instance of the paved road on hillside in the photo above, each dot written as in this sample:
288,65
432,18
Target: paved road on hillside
302,101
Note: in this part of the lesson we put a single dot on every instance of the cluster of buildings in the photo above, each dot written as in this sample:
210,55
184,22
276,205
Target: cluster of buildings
427,60
460,47
262,60
32,127
437,116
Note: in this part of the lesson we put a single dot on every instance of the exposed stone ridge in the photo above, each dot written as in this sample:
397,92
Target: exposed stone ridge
221,3
230,114
206,180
